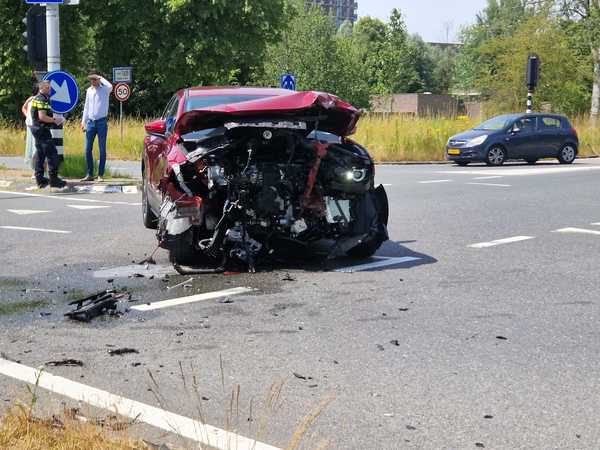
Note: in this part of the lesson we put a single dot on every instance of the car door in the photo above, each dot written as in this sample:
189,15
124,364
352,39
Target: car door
521,138
157,147
551,136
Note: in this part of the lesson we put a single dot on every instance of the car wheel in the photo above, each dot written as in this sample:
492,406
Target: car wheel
148,217
567,154
365,250
495,156
531,161
182,251
461,163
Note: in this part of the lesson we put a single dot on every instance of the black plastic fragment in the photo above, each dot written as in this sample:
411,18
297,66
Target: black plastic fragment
95,305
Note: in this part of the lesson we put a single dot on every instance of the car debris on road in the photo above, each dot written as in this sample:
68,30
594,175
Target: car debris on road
95,305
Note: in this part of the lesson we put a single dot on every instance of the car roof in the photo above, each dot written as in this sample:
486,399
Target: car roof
206,91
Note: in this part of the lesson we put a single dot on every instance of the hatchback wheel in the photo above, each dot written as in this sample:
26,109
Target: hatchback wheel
495,156
567,154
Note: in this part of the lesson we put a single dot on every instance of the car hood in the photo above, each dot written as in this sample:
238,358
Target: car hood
471,134
335,115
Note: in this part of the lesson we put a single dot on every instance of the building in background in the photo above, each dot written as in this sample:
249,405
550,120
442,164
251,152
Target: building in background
341,10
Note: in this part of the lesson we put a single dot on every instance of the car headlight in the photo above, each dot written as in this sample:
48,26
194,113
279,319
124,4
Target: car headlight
476,141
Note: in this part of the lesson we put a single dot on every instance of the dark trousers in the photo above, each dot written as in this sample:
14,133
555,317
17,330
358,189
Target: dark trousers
45,149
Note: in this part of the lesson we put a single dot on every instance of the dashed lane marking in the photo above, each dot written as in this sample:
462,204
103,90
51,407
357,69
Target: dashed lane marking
381,262
596,224
577,231
69,198
40,230
86,207
497,242
192,299
202,433
508,171
490,184
488,178
27,212
435,181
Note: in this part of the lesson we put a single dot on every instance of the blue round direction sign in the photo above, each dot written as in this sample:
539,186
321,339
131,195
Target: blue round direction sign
288,81
64,93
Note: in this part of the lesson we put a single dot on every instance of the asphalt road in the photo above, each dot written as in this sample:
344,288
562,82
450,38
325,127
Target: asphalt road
474,342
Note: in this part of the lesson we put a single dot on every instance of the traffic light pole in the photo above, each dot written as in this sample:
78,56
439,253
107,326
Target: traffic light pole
53,46
53,36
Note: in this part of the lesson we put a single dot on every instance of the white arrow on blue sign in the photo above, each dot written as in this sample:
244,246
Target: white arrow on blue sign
288,81
64,93
34,2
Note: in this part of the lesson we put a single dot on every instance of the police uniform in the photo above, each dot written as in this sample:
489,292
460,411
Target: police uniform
45,148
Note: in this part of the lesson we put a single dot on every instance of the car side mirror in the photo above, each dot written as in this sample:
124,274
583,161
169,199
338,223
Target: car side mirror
515,130
158,127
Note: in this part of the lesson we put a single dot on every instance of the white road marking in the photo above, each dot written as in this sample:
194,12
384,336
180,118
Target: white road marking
202,433
577,231
596,224
130,190
490,184
509,171
86,207
27,212
386,185
501,242
42,230
149,270
5,183
70,198
192,299
382,262
488,178
435,181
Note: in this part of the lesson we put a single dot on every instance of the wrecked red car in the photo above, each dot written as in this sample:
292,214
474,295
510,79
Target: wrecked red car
241,176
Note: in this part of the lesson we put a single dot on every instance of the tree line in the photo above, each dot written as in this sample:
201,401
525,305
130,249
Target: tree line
177,43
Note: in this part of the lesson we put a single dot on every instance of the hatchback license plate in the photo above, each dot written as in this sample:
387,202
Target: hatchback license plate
453,151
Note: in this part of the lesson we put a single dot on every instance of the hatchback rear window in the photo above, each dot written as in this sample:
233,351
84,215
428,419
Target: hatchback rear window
550,123
206,101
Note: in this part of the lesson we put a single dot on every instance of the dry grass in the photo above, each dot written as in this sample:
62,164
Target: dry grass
12,140
20,431
390,138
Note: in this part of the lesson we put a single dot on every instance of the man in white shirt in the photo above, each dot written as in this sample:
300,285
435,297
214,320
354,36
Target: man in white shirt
95,122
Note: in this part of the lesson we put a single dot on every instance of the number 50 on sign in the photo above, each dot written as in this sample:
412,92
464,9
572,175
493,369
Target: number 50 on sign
122,92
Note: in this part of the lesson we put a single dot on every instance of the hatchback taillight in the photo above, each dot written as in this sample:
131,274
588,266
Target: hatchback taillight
574,131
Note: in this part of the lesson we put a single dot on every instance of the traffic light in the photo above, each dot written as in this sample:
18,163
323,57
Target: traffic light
36,37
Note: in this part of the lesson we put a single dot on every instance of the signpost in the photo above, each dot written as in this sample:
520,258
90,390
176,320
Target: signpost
288,81
122,92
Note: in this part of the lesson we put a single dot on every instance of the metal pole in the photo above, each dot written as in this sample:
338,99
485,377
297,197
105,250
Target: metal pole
121,120
53,50
529,102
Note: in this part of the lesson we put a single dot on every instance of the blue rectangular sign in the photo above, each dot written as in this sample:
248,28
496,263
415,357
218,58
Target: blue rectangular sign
37,2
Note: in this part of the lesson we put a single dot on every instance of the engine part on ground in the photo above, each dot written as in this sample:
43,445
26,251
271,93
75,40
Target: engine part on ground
95,305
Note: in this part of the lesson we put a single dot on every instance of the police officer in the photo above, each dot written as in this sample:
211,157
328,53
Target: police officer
43,120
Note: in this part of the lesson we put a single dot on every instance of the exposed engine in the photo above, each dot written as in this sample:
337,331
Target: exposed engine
269,189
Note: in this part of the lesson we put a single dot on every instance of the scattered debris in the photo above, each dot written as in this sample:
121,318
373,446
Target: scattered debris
395,342
479,444
122,351
402,309
8,358
288,277
380,347
388,415
488,416
110,280
502,338
301,377
226,300
180,284
179,333
45,314
410,428
136,364
95,305
136,275
65,363
38,291
312,386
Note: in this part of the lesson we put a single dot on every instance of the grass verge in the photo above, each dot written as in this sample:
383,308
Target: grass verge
10,308
389,138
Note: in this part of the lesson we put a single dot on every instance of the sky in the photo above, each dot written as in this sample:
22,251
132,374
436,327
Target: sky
429,18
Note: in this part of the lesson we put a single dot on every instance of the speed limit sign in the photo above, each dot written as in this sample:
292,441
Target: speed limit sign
122,92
